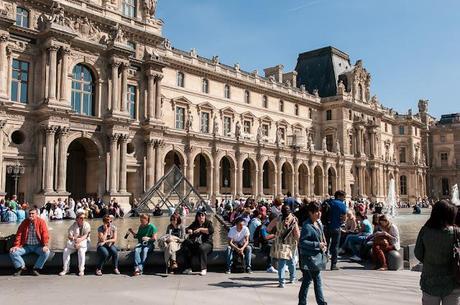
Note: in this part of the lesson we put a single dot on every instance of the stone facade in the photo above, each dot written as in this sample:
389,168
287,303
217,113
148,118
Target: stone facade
94,100
445,155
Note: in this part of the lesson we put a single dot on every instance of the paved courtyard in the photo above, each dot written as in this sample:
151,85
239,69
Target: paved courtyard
351,285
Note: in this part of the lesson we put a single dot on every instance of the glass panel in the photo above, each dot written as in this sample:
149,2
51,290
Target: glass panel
14,91
15,74
15,64
78,102
24,93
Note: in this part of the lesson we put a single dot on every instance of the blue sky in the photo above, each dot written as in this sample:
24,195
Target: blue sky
411,47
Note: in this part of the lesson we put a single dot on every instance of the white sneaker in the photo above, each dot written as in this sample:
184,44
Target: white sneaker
203,272
272,270
63,272
187,271
355,258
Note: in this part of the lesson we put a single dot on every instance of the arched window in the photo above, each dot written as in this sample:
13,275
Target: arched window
227,91
82,90
265,101
247,97
403,185
180,79
22,17
205,86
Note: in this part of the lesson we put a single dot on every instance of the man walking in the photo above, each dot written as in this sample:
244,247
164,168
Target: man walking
337,214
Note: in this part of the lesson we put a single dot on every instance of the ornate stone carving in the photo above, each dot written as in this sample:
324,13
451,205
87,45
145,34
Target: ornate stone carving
238,130
189,123
216,126
150,7
117,35
260,134
4,37
85,29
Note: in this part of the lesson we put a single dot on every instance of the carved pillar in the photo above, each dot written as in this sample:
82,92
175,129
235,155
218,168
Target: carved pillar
64,78
216,189
124,88
150,95
2,182
113,162
4,65
278,175
239,174
123,155
260,176
150,164
295,179
62,167
325,185
189,169
115,65
158,160
158,79
52,72
49,168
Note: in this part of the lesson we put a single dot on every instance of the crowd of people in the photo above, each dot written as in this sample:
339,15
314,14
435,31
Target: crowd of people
290,233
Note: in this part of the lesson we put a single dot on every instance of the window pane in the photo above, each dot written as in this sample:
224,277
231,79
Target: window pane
24,93
14,91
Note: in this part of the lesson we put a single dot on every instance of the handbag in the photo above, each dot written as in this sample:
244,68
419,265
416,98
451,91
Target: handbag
319,261
456,254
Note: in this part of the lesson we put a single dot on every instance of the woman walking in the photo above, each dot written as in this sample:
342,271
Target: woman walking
312,246
434,248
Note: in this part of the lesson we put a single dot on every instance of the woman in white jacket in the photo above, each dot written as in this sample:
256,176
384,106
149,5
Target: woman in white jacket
78,236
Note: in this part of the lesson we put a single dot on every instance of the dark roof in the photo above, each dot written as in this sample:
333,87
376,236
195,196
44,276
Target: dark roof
449,118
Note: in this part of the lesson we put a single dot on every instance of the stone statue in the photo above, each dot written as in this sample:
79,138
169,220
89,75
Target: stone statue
278,136
311,143
117,35
259,133
324,145
150,7
86,29
216,126
337,146
341,88
189,126
237,129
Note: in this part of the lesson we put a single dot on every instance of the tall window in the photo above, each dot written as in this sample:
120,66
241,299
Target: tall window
281,106
205,86
403,185
266,176
129,8
247,97
180,118
310,113
132,96
247,127
20,81
22,17
82,90
445,186
205,122
328,115
227,91
402,155
246,174
180,79
203,171
226,173
227,125
386,127
350,143
265,101
329,142
401,130
296,109
350,115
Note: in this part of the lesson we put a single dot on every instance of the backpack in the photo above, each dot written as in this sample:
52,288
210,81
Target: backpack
257,239
456,254
326,212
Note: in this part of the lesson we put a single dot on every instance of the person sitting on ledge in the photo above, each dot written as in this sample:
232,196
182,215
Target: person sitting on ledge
198,243
238,242
384,242
354,242
107,236
146,236
172,240
31,237
78,236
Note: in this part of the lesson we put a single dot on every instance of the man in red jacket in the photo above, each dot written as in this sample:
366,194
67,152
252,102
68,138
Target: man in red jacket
32,237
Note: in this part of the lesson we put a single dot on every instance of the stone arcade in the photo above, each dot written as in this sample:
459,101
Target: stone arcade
95,101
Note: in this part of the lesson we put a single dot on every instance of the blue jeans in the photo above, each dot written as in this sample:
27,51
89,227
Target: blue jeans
333,239
247,256
282,269
140,255
354,242
18,261
308,277
104,253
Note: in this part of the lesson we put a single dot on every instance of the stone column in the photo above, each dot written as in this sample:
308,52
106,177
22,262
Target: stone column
64,78
115,65
239,174
49,168
158,160
62,167
151,89
189,170
150,164
278,175
124,88
216,173
123,155
113,162
295,179
260,164
325,185
52,72
2,182
158,79
4,65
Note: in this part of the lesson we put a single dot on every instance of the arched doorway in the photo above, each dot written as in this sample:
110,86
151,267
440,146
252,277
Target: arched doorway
303,180
82,177
249,177
286,178
227,175
172,158
201,173
268,177
331,181
318,180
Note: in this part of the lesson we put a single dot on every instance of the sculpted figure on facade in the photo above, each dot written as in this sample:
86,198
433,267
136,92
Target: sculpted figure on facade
238,130
324,145
189,125
337,146
150,7
260,134
85,29
311,143
216,126
117,35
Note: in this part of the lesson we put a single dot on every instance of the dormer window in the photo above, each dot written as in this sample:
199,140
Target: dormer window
205,86
180,79
22,17
227,91
129,8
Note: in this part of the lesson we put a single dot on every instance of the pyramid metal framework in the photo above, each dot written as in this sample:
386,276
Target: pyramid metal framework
172,191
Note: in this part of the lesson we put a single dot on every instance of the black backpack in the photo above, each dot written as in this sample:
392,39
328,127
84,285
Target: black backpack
326,212
257,239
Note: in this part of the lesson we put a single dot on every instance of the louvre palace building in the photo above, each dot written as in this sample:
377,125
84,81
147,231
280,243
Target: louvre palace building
94,101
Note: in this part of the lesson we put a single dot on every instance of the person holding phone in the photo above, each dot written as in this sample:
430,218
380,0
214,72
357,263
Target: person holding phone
107,236
146,236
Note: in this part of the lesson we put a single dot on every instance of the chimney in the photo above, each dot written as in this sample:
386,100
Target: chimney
290,77
276,72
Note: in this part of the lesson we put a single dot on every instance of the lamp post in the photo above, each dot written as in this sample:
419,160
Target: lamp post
15,171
